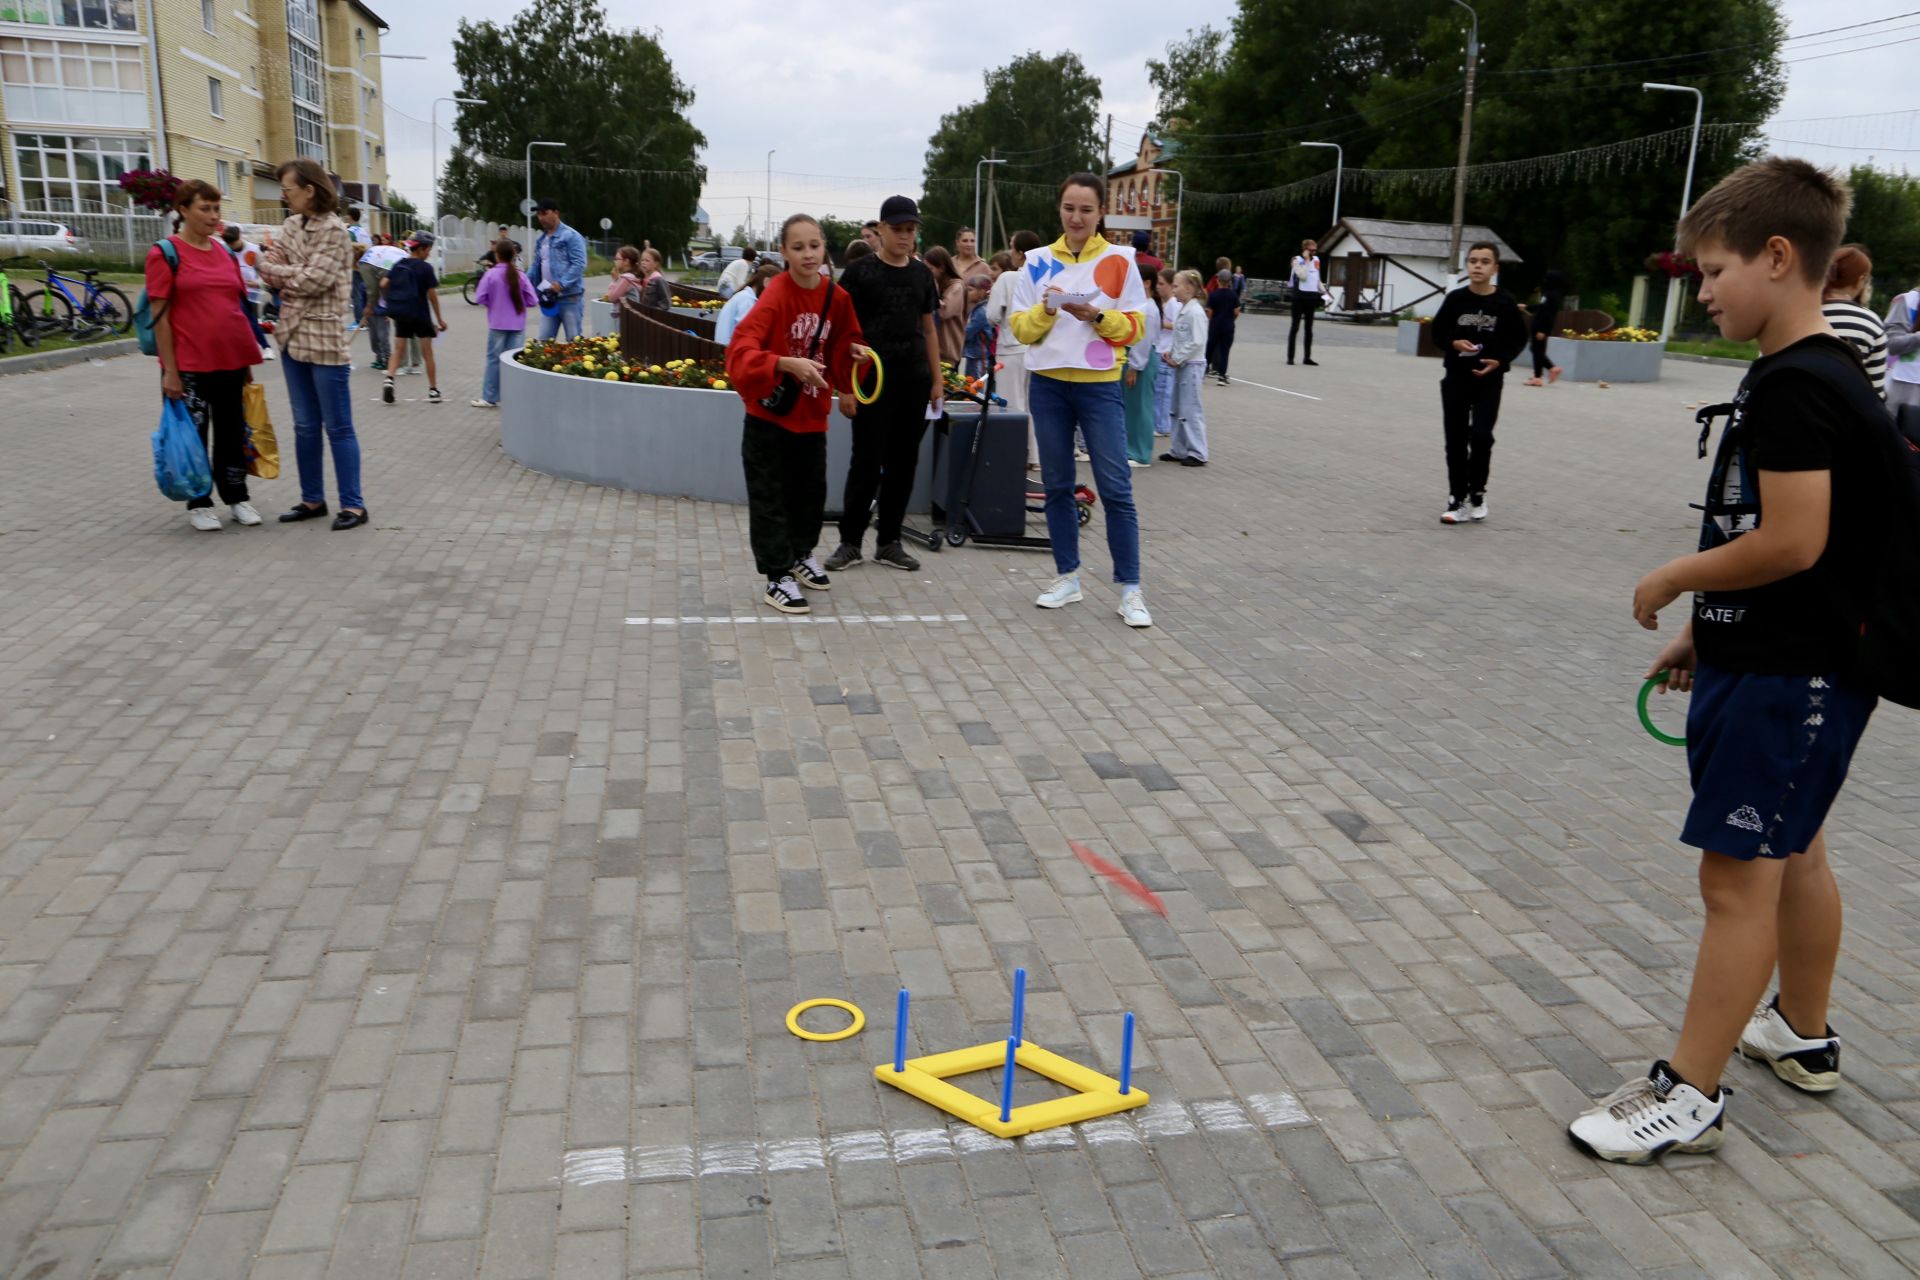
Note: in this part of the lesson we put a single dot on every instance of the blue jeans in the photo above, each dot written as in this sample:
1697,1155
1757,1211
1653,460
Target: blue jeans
499,343
1163,399
568,313
1189,414
1098,410
322,393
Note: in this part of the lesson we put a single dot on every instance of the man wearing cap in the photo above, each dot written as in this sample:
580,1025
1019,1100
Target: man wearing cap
895,299
558,272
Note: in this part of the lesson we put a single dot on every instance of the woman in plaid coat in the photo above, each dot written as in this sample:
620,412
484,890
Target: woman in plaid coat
311,264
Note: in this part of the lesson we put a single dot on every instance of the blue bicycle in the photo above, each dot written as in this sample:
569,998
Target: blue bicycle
100,310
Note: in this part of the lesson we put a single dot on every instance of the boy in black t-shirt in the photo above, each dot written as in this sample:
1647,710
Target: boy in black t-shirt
1769,654
411,292
1480,333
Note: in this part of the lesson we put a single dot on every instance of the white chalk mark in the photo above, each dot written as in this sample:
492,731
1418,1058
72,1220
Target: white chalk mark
1282,390
795,620
591,1166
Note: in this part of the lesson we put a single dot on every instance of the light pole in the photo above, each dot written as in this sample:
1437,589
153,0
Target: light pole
1686,196
1466,140
1179,206
769,239
976,199
530,147
433,127
365,150
1339,164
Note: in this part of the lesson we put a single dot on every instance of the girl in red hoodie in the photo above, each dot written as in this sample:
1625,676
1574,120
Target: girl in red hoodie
802,328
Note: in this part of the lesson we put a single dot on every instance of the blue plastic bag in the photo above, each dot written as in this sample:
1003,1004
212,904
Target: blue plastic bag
180,465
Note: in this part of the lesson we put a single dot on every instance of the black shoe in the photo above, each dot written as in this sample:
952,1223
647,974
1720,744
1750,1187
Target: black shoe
1290,360
784,594
433,395
301,511
1224,382
843,557
1193,462
895,556
349,520
1171,457
386,390
810,575
1309,360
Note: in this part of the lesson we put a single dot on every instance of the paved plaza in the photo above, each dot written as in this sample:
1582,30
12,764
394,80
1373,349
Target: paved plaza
427,900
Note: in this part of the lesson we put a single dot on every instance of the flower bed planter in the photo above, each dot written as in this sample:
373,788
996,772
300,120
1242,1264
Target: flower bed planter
672,441
1586,360
1415,338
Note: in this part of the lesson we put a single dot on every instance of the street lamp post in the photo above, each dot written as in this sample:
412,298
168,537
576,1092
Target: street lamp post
1179,207
976,198
1466,140
360,95
769,238
1686,195
530,147
1339,164
433,127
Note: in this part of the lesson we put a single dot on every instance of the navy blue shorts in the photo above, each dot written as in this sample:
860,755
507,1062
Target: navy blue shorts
1768,755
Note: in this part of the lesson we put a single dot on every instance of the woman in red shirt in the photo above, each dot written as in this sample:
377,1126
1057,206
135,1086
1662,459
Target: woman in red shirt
785,455
207,350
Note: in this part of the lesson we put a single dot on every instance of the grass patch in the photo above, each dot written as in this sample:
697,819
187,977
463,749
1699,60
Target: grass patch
1719,347
56,342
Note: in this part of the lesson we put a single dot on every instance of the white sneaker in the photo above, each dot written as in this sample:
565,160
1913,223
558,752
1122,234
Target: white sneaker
1133,608
1477,507
1646,1118
1456,512
483,404
1812,1066
1064,591
243,513
1135,463
268,353
205,519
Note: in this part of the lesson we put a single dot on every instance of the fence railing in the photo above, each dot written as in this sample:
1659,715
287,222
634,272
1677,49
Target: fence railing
116,235
649,340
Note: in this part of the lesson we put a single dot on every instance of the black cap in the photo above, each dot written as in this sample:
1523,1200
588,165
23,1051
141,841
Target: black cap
547,205
896,210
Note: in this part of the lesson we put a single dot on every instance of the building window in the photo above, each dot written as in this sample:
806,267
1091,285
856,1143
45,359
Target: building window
60,173
366,161
216,98
222,174
303,64
92,15
360,41
206,14
309,133
73,82
303,20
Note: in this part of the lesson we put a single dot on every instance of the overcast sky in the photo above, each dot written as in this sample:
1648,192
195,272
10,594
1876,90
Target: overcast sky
850,125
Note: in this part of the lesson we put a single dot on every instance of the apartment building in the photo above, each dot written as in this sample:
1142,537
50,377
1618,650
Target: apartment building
221,90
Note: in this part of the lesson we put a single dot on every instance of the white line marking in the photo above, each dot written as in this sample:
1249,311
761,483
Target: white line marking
1282,390
755,619
594,1165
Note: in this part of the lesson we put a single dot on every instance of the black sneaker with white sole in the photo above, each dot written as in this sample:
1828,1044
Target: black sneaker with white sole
1809,1065
895,556
809,574
785,596
386,390
843,557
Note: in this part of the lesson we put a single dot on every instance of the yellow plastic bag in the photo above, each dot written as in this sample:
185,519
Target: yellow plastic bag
263,449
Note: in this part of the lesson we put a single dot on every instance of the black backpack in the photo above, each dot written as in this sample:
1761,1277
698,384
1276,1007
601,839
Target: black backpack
1888,660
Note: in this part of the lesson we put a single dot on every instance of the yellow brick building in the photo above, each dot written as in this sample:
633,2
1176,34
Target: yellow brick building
221,90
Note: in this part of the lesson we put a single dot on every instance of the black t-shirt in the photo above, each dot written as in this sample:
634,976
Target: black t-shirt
1809,623
1489,320
409,281
893,304
1221,303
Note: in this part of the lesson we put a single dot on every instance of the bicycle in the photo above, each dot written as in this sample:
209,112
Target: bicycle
472,282
103,310
15,320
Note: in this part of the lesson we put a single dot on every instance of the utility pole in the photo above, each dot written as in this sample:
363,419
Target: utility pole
1466,140
1675,287
1109,168
986,235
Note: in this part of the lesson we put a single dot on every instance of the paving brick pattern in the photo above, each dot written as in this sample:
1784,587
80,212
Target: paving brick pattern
383,904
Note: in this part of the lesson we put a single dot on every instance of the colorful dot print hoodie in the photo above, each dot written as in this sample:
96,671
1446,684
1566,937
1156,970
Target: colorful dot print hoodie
1059,346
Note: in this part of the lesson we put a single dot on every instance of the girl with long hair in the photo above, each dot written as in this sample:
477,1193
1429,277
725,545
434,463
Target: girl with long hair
506,295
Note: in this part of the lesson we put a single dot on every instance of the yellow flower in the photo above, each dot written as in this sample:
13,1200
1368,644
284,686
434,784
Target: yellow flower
719,384
641,376
655,369
611,376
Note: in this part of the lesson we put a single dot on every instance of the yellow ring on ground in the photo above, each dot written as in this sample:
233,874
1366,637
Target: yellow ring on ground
793,1019
879,378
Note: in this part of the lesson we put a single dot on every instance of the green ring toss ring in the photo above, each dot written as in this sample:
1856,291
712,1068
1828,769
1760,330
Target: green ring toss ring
1646,691
879,378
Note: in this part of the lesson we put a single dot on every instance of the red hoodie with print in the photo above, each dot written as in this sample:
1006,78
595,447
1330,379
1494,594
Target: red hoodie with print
782,324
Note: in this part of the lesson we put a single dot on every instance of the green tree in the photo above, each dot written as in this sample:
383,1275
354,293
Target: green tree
400,204
839,232
558,72
1041,114
1384,78
1190,64
1886,219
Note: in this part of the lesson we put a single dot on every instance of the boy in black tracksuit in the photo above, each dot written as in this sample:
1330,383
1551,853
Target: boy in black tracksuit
1480,333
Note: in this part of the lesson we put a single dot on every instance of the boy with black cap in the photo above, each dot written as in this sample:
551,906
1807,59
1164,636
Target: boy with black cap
895,298
413,304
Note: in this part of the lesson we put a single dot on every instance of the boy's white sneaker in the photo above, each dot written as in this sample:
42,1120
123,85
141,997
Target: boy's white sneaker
243,513
1645,1118
1456,512
1811,1066
205,519
1133,608
1477,507
1064,591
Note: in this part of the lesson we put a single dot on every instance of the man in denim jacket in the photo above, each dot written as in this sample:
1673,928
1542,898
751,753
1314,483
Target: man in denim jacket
558,272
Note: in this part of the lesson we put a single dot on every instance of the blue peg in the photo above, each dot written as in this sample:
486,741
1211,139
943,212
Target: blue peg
900,1034
1019,1004
1126,1055
1006,1085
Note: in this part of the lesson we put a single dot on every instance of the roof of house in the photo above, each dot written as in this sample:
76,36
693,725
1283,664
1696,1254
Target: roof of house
1168,147
1384,239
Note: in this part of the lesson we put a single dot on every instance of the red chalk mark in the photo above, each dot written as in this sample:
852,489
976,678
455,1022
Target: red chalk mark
1101,866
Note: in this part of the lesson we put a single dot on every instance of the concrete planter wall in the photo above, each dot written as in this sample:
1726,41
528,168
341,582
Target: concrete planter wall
670,441
1407,338
600,319
1588,361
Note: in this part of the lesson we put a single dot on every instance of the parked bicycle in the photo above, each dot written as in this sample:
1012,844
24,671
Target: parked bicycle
15,320
100,310
472,282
